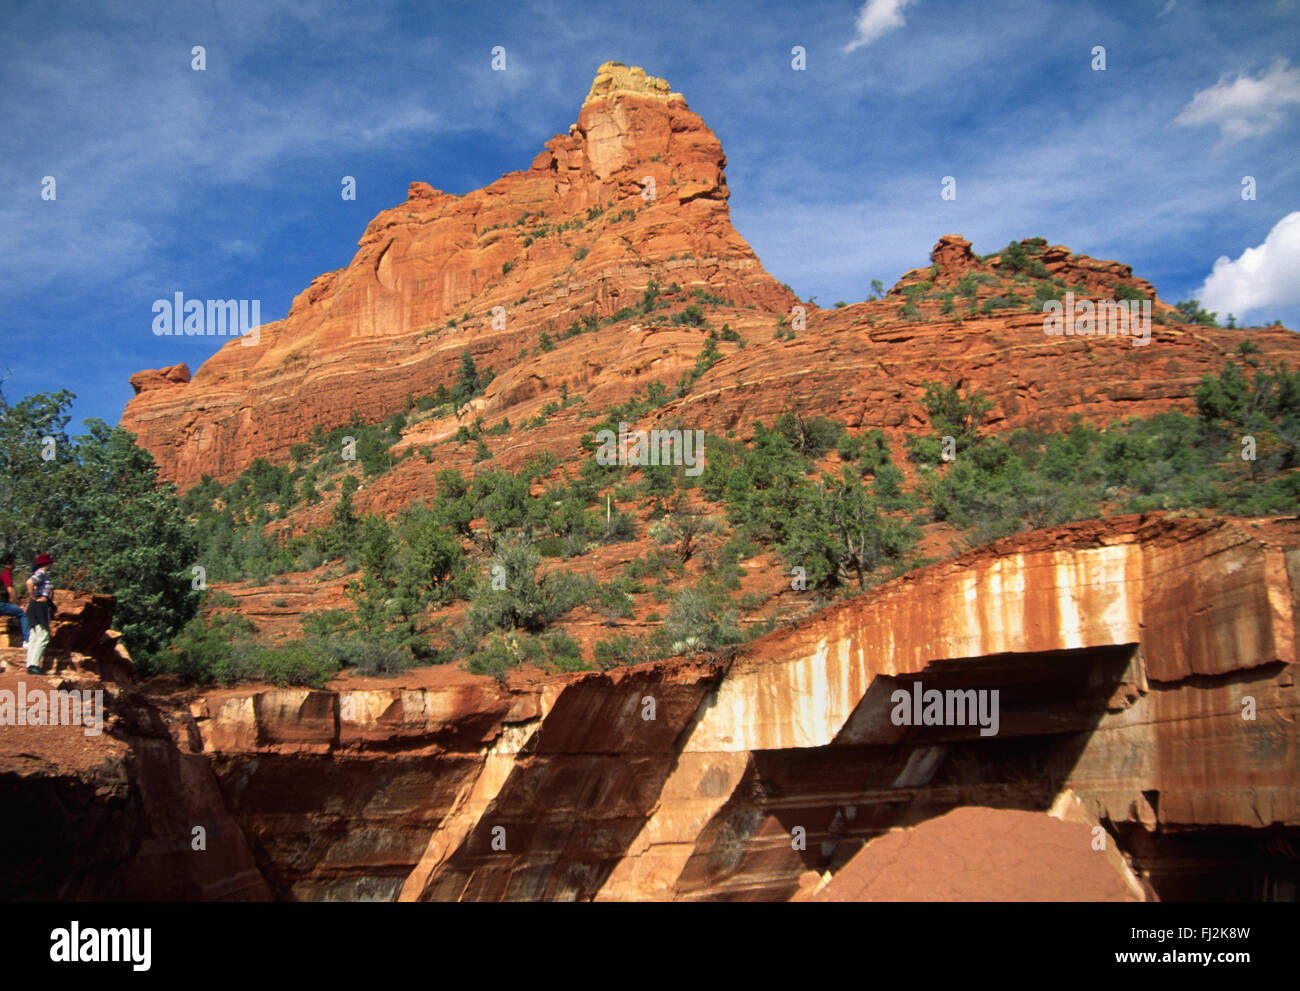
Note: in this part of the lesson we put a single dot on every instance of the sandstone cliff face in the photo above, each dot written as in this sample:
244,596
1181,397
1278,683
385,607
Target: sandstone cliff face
578,235
364,337
1145,670
1124,651
115,807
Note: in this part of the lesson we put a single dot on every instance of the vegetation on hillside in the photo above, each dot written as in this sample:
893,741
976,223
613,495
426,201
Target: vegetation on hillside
504,551
832,506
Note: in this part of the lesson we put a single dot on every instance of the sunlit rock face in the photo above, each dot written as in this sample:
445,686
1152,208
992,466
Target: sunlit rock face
1143,666
1110,716
635,192
1131,678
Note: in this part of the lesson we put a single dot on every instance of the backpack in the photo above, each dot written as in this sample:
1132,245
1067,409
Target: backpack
41,583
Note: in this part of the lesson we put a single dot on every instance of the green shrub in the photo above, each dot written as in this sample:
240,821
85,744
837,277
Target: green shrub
370,657
298,662
562,653
811,437
700,619
220,650
619,528
691,316
624,650
1123,292
660,533
527,601
650,564
1044,291
613,600
1191,312
502,652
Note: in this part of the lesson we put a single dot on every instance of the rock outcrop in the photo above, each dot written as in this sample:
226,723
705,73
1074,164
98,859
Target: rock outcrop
160,378
636,193
952,259
1146,703
101,801
80,639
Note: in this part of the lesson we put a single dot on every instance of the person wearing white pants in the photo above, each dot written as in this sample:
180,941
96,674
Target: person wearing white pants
36,644
40,607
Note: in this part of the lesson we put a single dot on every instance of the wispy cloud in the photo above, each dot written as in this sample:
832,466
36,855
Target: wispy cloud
876,19
225,183
155,143
1245,107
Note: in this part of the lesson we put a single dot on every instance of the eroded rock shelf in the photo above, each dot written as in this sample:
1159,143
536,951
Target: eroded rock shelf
1145,669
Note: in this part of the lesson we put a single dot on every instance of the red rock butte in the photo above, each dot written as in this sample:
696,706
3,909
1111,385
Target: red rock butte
364,337
1143,665
635,192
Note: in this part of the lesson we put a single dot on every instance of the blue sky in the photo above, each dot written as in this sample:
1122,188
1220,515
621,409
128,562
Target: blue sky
225,183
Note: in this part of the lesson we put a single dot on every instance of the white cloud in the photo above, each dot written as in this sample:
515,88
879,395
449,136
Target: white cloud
877,17
1268,275
1245,107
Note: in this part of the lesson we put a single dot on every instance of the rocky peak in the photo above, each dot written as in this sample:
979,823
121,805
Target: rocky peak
614,78
632,126
953,256
634,193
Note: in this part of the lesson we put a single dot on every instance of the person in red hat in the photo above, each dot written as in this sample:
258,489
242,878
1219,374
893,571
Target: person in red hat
40,607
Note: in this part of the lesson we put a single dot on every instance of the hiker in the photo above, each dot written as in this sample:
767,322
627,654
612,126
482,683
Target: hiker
40,607
8,603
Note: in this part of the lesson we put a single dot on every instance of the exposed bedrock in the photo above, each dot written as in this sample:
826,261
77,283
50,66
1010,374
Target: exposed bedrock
1143,667
1146,704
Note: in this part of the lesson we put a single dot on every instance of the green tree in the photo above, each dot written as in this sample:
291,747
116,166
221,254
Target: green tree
372,452
340,538
954,414
35,455
433,558
839,534
132,539
96,505
467,380
1191,312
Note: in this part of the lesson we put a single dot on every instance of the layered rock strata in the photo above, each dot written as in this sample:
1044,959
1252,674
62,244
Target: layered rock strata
1144,671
